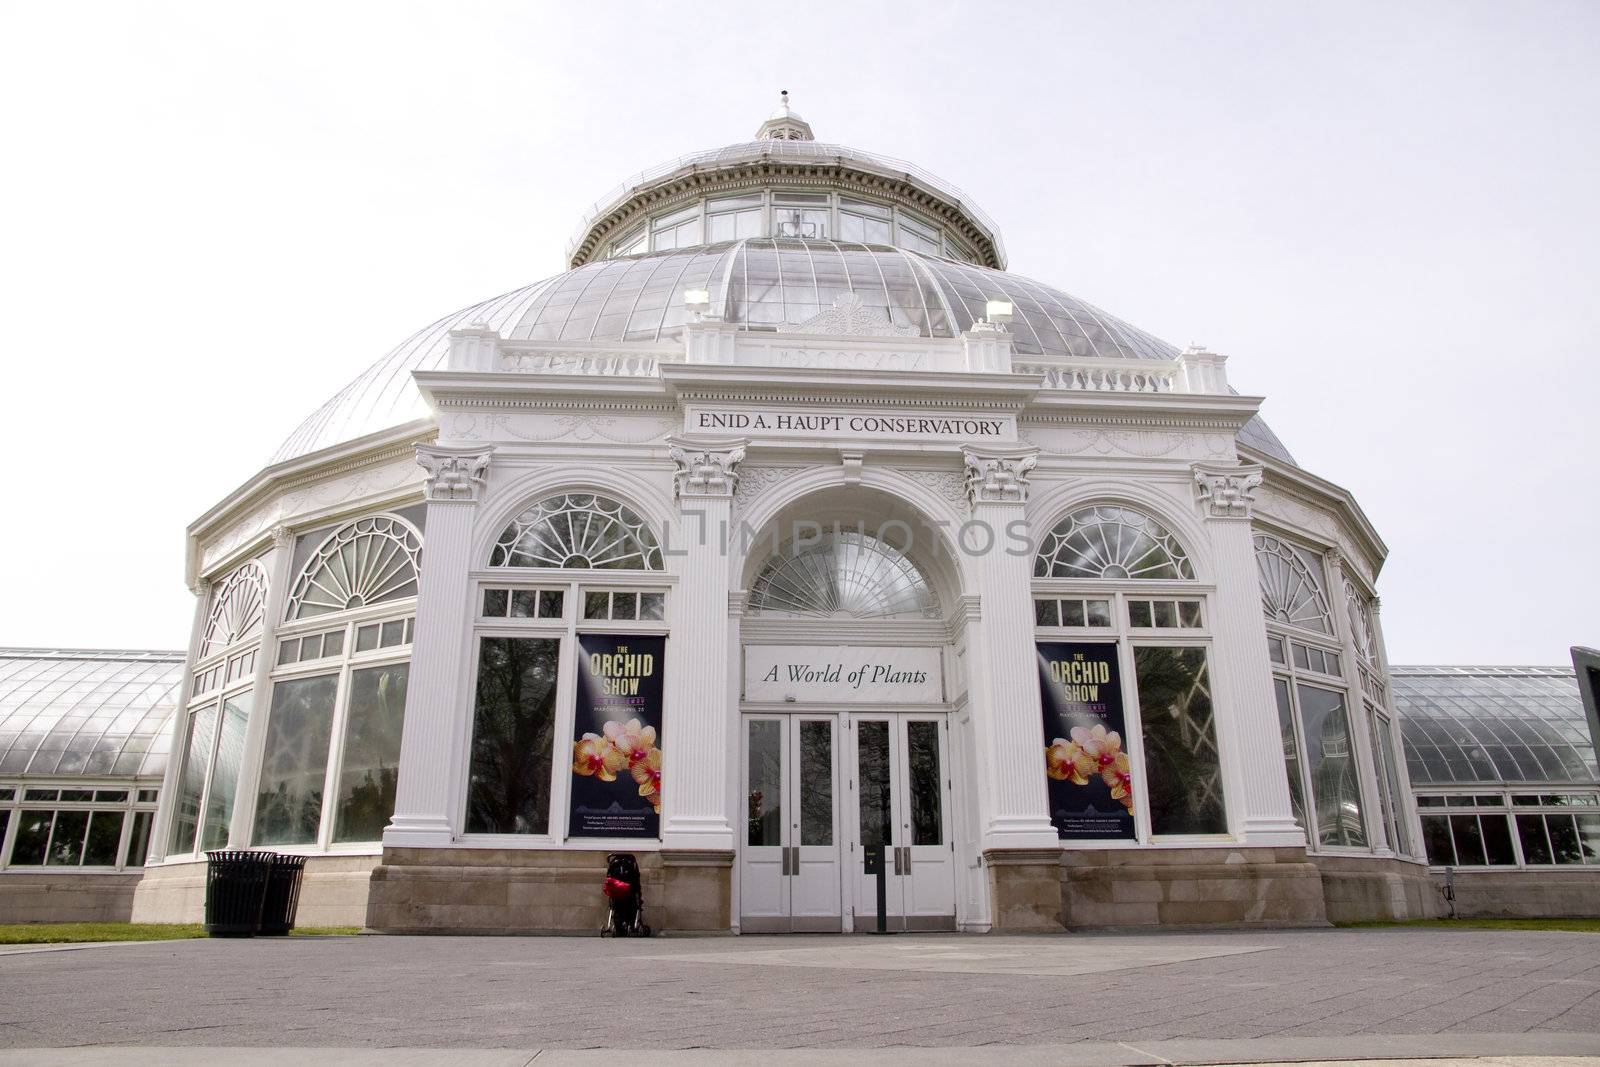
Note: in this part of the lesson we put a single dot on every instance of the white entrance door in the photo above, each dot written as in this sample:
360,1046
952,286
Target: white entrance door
789,869
899,773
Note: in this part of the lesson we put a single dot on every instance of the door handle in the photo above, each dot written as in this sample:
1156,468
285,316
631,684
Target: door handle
791,860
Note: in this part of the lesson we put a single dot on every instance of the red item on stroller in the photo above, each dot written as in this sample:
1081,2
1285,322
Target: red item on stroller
622,887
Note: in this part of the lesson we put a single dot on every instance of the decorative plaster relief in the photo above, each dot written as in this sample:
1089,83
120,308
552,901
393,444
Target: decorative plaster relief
1226,492
1273,504
753,481
1141,444
453,473
947,485
849,317
547,426
998,477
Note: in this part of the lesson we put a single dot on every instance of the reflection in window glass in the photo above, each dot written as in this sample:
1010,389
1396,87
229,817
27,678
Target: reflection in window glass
764,811
1535,845
1330,759
872,744
1436,838
1291,751
370,763
225,777
1563,838
1469,840
33,838
192,778
1389,782
294,765
513,730
1180,741
1497,840
922,752
105,837
66,842
816,782
139,840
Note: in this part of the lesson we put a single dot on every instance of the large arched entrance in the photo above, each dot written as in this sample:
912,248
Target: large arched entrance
850,681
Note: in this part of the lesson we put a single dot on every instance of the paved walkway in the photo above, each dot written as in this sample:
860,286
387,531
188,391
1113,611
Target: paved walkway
1165,998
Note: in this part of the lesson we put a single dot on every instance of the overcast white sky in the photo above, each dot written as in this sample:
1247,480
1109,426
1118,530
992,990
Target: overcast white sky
214,215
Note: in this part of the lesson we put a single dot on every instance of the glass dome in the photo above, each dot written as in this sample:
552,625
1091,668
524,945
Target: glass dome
758,283
1493,724
90,714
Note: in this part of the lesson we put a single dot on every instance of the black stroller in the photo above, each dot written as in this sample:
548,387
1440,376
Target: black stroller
622,888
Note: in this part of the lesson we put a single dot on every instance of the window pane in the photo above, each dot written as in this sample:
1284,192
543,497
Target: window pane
877,807
111,796
294,766
1180,741
816,782
225,778
1099,612
1399,832
33,837
513,728
1291,752
927,823
1189,614
1139,613
1046,613
1469,841
77,795
524,604
1535,846
624,605
1563,838
105,837
333,643
1436,838
146,796
1300,659
370,764
1275,649
1166,614
192,779
550,603
1072,613
393,633
764,805
1331,660
366,638
494,603
1330,759
139,840
1497,840
596,605
288,651
66,843
1588,837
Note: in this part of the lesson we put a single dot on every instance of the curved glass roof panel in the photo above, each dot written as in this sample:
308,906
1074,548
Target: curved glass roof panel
760,284
70,712
1484,725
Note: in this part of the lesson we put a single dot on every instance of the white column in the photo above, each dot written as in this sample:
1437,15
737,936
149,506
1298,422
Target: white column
1246,708
1003,677
697,718
425,795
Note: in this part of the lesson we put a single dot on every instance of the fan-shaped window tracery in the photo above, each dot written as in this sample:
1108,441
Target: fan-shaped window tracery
844,574
1291,586
364,562
1360,611
1112,542
585,531
236,609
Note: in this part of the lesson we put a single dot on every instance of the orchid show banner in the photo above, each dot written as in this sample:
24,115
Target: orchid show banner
1091,784
616,761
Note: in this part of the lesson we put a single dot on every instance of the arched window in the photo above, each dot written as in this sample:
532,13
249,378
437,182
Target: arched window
846,575
236,609
361,563
578,530
1360,611
1107,541
1291,587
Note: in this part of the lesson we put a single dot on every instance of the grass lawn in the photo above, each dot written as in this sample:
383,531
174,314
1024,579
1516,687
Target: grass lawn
1586,926
63,933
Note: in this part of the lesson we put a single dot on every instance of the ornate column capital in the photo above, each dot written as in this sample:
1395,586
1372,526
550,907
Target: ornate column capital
1226,490
454,473
998,475
281,536
1375,605
707,466
200,587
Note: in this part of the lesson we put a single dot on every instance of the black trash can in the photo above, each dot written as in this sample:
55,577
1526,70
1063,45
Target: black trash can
236,888
283,895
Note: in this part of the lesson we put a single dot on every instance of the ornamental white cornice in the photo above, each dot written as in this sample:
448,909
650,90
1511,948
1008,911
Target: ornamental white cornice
707,466
454,474
998,475
843,401
1226,491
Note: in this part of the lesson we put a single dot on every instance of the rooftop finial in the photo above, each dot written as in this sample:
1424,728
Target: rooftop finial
785,125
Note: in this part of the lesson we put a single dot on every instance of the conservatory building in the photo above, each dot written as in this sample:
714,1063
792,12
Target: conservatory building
784,526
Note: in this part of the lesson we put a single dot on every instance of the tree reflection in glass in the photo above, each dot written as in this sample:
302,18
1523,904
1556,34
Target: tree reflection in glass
370,764
816,782
1330,757
294,768
513,728
1180,741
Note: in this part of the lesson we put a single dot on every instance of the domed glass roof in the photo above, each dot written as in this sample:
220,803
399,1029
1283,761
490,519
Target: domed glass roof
74,712
759,283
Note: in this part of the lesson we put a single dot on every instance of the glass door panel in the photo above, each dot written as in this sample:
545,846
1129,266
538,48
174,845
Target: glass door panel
814,852
763,858
789,857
